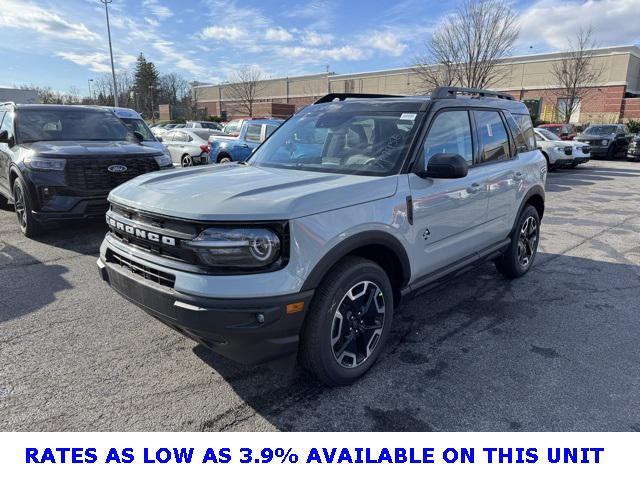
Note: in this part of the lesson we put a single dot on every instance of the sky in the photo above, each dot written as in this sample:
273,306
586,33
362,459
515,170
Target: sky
63,43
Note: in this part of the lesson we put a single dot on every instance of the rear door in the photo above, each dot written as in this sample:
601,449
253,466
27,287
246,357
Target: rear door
449,214
501,169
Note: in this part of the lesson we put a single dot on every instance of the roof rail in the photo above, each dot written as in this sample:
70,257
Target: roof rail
343,96
439,93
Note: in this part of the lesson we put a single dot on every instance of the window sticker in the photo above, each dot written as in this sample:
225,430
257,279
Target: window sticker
408,116
489,130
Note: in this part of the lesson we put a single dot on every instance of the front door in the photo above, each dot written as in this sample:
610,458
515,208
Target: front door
449,214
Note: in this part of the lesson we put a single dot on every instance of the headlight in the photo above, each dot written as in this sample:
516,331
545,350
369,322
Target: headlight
163,160
39,163
605,142
236,247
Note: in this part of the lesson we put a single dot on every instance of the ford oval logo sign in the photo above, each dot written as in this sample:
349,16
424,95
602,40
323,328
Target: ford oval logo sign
117,168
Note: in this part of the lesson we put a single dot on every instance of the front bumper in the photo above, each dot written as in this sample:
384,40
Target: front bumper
633,153
248,331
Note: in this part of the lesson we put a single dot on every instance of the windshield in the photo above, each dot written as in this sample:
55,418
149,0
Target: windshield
338,141
601,130
72,124
556,129
137,125
548,135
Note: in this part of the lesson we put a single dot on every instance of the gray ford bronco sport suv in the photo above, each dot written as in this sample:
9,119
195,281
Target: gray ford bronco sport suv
353,204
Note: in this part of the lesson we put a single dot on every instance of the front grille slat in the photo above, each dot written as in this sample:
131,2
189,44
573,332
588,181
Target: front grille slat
93,174
148,273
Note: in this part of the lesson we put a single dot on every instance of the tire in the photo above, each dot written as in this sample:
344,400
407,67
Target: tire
335,351
550,167
186,161
517,260
611,153
224,159
22,205
3,203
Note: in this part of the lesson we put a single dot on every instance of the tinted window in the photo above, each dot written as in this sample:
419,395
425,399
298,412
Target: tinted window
137,125
600,130
69,124
450,132
7,124
522,131
168,136
494,141
253,133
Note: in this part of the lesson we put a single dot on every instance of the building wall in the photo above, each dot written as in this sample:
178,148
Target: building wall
527,77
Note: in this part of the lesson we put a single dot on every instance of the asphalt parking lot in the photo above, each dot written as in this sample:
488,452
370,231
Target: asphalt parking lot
555,350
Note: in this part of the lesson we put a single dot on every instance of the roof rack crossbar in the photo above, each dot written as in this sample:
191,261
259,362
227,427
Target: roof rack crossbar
343,96
451,92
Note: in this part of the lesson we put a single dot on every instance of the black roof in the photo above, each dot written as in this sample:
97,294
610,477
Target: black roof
449,96
49,106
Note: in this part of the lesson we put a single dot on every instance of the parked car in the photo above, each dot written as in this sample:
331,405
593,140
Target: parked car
188,146
561,153
565,131
238,149
633,153
60,162
609,141
159,130
282,257
204,124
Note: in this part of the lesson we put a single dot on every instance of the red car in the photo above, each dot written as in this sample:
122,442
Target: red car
565,131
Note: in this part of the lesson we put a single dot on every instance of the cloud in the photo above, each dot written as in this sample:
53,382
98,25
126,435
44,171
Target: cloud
278,34
161,12
614,22
229,34
19,14
388,43
310,54
98,62
315,39
176,57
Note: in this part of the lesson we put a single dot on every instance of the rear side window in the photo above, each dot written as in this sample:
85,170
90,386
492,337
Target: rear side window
7,123
522,131
494,141
253,133
450,132
270,130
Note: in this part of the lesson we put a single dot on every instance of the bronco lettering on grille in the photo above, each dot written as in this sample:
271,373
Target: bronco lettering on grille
140,233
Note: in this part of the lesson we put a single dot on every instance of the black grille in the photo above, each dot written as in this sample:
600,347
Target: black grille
157,276
93,174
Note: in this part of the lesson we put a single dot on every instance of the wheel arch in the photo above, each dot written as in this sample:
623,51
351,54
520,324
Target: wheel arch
379,247
534,197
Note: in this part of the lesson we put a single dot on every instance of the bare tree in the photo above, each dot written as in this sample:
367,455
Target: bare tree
575,74
244,86
466,48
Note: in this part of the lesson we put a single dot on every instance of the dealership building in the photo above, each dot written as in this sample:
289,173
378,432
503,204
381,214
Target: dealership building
616,96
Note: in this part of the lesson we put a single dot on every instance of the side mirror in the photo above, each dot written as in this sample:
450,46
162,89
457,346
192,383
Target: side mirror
445,165
4,136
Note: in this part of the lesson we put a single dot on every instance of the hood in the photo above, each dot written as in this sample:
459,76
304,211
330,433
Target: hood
557,143
90,149
244,192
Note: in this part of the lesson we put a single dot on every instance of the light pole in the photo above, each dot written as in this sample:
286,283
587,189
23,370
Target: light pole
113,70
90,82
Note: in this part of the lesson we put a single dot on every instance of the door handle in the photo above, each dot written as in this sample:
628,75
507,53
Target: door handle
473,188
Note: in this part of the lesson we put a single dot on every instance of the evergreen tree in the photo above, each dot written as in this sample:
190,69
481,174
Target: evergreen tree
146,86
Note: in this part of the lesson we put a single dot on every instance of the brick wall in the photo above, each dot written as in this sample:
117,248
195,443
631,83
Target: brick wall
631,109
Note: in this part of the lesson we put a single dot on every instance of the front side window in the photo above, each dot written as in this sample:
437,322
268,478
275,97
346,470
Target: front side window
69,124
494,141
137,125
333,139
253,133
450,132
7,123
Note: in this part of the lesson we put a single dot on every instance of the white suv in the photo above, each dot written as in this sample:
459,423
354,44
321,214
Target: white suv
353,204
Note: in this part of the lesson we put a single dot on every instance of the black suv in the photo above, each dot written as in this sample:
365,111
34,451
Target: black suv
60,162
608,141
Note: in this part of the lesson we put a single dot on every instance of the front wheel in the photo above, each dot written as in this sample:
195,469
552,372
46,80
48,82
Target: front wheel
519,257
28,225
348,322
